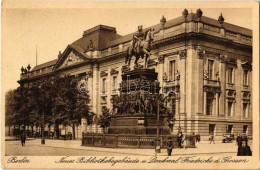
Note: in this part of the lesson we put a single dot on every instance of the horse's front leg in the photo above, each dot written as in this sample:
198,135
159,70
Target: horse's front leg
146,57
136,59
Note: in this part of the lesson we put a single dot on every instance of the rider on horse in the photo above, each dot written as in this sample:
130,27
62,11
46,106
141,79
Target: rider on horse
137,39
140,46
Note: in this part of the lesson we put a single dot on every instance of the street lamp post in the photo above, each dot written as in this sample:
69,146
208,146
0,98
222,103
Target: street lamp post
158,143
43,138
43,117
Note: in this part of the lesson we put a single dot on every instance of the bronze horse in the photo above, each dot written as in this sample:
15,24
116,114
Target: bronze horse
145,46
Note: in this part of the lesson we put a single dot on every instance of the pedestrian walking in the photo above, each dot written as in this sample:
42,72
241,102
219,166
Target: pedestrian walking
244,149
239,140
198,138
23,139
179,139
184,141
212,138
169,146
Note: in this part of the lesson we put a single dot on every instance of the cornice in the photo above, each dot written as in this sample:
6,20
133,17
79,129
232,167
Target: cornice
201,36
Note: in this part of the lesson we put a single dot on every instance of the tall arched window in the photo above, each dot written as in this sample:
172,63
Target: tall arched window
210,97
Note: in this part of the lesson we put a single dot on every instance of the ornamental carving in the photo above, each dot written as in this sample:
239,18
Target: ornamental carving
103,73
165,77
246,94
247,65
199,13
183,54
200,54
185,13
125,69
231,93
113,71
212,89
163,20
151,62
221,19
205,75
223,58
217,76
90,73
161,59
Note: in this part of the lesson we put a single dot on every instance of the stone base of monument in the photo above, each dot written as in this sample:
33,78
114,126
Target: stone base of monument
139,124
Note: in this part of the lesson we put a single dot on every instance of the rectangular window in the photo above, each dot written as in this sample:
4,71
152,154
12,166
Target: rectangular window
230,75
210,69
114,83
245,78
230,108
104,85
212,129
209,106
229,128
245,127
172,70
244,109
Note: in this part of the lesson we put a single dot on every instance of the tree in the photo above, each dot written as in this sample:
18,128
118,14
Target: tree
42,96
105,119
10,113
71,105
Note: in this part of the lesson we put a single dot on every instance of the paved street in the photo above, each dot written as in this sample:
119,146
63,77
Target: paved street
74,148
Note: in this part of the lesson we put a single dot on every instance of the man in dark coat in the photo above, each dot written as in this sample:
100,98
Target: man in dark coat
179,139
169,146
23,138
239,140
244,149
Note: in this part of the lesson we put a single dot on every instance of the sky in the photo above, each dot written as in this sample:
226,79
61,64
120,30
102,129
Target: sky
52,29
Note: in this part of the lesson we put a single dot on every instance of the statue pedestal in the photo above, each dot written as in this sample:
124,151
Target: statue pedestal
136,107
139,124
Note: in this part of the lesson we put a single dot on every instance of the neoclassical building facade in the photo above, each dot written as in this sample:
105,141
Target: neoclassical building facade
207,60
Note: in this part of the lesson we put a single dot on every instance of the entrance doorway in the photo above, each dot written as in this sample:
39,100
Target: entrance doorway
212,129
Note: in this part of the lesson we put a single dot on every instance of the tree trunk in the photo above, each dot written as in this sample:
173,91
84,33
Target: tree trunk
14,131
19,130
49,130
42,131
9,130
65,132
73,131
32,130
57,130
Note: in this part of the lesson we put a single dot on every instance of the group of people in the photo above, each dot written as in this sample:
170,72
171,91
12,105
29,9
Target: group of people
243,148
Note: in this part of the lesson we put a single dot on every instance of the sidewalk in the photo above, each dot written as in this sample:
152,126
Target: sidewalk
203,148
12,138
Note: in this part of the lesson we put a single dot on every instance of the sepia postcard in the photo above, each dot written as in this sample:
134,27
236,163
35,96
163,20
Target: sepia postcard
130,85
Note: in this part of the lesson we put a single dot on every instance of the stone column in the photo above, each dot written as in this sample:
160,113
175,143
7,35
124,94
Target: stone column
96,92
205,103
222,76
90,88
239,85
199,81
109,89
182,70
217,104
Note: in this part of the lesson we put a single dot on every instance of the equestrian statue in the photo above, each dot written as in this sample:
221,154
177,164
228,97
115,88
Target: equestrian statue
140,46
